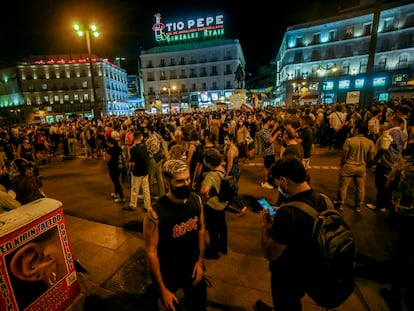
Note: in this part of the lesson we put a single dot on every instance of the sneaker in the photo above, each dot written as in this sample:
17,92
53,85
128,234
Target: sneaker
338,205
119,200
383,210
358,209
266,185
113,195
371,206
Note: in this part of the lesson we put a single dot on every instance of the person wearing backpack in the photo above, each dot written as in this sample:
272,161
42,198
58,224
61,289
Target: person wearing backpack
156,155
290,244
214,208
231,153
400,183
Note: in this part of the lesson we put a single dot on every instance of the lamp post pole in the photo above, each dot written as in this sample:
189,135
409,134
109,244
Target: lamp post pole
324,85
87,31
168,88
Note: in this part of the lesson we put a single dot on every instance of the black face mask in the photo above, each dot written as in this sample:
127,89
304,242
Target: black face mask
182,192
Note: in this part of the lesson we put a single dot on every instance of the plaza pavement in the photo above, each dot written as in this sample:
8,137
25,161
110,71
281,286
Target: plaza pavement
112,257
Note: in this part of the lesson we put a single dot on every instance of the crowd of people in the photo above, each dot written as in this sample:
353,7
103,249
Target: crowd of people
175,164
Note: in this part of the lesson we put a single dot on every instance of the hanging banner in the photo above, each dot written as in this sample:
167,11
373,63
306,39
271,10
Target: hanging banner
352,97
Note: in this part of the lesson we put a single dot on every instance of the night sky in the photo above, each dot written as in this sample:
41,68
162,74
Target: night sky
44,26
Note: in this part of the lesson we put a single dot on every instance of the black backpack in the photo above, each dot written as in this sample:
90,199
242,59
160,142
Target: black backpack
333,279
228,188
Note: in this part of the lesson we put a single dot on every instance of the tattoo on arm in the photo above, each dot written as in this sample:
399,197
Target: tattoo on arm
152,217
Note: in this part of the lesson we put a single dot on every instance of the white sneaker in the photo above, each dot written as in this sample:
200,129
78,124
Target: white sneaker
119,200
266,185
113,195
371,206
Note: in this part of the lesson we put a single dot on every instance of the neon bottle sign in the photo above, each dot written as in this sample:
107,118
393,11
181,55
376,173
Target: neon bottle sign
191,29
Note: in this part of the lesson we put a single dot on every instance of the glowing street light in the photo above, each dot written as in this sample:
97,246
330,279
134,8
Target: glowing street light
169,88
92,30
324,70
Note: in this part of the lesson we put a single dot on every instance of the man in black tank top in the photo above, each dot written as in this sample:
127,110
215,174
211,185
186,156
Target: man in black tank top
174,241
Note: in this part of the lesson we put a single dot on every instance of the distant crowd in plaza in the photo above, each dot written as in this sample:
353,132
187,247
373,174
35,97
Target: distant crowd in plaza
174,165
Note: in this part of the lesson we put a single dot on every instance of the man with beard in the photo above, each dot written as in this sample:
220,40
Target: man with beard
174,241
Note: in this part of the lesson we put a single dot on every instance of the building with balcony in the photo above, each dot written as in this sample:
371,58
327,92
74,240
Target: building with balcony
56,86
328,60
191,75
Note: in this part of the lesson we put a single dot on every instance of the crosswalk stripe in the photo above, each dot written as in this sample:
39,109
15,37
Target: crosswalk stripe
313,167
324,167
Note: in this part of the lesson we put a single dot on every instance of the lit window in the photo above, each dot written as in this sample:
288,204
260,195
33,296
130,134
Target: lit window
344,84
359,83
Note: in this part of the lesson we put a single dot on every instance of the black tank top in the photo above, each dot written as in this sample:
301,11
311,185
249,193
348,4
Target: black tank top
178,247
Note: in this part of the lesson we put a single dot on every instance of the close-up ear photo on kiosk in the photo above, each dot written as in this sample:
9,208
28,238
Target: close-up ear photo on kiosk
36,266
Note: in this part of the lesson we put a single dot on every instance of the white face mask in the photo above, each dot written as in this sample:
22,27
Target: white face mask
283,193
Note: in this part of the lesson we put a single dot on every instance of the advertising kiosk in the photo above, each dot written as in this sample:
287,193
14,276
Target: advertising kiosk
37,269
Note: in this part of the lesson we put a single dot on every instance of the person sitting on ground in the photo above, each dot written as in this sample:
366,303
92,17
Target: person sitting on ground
25,184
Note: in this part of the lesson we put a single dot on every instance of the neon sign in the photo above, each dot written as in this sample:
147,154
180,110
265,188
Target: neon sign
191,29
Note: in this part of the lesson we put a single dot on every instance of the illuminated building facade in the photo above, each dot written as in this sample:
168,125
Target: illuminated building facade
60,86
193,65
10,97
327,61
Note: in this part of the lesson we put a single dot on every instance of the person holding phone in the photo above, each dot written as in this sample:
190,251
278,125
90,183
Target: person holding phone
286,237
269,210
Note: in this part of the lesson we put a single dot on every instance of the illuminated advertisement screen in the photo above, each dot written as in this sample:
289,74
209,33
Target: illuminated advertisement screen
214,96
359,83
344,84
383,97
328,85
379,81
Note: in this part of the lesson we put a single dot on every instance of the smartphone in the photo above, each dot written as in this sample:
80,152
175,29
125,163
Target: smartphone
266,205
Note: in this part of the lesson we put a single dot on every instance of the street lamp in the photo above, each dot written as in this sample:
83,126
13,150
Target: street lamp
92,30
324,70
169,88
